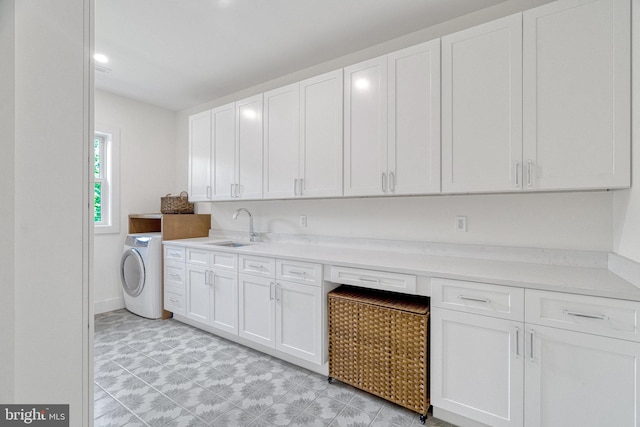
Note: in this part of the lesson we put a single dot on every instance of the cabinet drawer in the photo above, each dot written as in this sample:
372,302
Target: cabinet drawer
404,283
174,253
503,302
174,274
301,272
197,256
594,315
173,301
223,261
258,266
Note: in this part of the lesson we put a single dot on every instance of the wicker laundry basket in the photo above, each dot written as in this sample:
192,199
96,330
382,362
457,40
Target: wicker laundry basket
378,343
176,204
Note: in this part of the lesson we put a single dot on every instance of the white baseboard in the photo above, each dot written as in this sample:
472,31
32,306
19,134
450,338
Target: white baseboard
108,305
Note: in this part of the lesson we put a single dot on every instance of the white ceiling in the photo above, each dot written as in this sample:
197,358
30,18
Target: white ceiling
181,53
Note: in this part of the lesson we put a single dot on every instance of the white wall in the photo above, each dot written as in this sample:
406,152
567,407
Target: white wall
51,228
627,202
7,207
147,172
554,220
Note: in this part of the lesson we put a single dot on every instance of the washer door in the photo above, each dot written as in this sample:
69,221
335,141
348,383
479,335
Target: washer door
132,274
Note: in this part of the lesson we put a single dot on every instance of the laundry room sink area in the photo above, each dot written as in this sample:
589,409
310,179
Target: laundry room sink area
230,244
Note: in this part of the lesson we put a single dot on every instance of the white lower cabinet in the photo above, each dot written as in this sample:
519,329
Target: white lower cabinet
298,320
495,370
281,314
211,290
256,309
477,367
197,291
577,379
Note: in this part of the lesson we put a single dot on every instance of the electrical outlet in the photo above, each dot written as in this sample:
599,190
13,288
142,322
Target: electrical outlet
461,223
303,221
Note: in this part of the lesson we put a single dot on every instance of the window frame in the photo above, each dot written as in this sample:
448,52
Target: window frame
110,180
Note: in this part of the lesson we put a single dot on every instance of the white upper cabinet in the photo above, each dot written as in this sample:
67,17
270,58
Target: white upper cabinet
224,151
200,156
248,174
281,141
482,107
303,138
413,153
365,128
392,123
321,136
577,87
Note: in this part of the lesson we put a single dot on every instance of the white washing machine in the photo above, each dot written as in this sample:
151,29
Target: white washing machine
141,274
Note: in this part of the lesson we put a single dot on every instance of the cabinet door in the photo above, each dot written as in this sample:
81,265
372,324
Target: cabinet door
249,148
477,367
321,130
224,151
198,294
200,156
576,379
365,128
281,142
414,120
299,320
224,305
482,107
256,309
577,88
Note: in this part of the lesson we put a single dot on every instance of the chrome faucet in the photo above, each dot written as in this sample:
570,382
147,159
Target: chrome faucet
252,234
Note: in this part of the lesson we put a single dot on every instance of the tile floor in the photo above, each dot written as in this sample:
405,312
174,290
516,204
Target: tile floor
164,373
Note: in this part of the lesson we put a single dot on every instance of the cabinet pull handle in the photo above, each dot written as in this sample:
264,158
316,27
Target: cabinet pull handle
256,267
271,291
517,341
301,191
531,339
213,278
366,279
208,191
173,300
586,315
516,176
384,182
529,173
466,298
237,187
206,277
231,191
299,273
174,255
295,187
175,276
392,181
278,293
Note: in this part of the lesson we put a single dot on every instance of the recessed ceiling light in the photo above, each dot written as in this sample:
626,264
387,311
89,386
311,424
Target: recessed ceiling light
101,58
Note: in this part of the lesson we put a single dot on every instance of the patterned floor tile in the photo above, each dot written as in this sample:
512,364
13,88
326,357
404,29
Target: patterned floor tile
352,417
234,417
163,414
211,409
115,418
307,420
104,405
192,397
325,408
166,374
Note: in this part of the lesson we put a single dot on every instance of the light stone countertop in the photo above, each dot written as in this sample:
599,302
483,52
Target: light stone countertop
594,281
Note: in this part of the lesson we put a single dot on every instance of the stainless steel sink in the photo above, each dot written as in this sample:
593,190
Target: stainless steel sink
230,244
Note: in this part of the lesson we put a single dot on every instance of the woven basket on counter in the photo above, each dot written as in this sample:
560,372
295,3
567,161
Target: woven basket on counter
176,204
378,343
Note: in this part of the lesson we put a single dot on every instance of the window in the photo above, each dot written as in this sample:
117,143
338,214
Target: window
106,214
